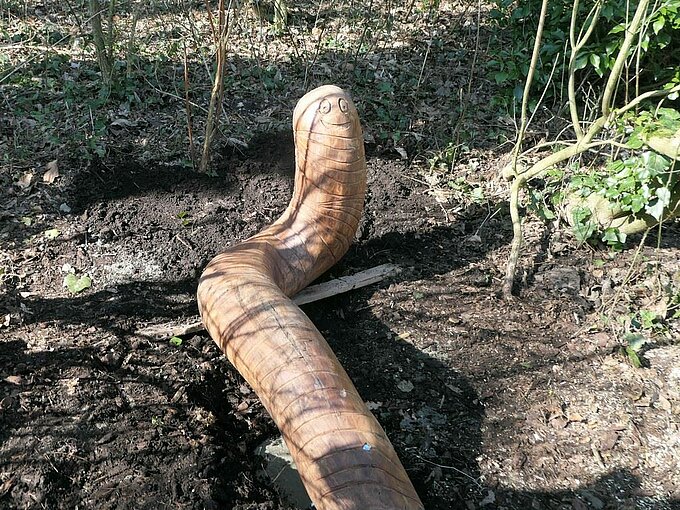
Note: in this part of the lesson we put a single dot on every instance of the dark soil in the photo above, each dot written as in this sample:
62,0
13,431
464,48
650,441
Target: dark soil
490,404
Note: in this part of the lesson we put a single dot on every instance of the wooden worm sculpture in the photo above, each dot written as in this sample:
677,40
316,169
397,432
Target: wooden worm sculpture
343,455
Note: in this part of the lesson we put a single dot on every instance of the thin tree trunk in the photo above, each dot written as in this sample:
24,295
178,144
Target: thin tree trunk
100,41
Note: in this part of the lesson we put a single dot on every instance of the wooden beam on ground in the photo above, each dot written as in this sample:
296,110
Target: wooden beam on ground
310,294
345,284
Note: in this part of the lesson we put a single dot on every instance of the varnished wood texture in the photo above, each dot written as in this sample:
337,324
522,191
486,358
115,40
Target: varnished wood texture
342,453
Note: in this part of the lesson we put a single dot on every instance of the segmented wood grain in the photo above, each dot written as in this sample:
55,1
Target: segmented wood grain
342,453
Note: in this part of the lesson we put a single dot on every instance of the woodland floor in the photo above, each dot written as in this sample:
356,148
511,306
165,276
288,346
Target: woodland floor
490,404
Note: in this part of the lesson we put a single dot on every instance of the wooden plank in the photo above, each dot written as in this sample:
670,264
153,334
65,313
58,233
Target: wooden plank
309,295
345,284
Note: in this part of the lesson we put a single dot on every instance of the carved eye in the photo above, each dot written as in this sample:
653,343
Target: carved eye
343,104
325,106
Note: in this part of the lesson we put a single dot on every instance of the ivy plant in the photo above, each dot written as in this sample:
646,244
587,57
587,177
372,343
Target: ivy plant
517,21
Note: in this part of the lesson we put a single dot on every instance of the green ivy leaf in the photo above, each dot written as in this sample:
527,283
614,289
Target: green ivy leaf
518,92
655,162
612,46
644,44
581,214
621,27
583,227
637,203
633,357
658,24
385,87
669,113
613,237
52,233
500,77
581,62
635,341
664,195
635,142
477,194
647,319
76,285
656,208
594,60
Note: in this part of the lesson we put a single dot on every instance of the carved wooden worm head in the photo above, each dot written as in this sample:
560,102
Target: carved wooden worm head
327,110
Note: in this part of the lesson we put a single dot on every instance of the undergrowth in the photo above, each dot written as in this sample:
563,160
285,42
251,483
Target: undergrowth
60,103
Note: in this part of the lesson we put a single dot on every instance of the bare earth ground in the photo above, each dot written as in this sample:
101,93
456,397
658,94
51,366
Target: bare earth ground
490,404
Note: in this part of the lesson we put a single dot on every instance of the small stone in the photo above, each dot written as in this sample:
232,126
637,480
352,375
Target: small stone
489,499
594,501
608,440
577,504
6,402
405,386
279,466
13,379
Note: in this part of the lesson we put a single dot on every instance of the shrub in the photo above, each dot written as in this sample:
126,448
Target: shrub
658,47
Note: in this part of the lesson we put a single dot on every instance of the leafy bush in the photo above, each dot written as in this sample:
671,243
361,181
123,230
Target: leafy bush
640,184
518,19
636,184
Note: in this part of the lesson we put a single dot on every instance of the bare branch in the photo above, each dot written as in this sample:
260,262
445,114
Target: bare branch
576,47
615,74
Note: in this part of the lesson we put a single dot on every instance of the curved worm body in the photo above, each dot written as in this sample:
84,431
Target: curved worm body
343,456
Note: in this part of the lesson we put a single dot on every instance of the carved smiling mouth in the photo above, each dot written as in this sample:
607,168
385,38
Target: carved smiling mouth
336,125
